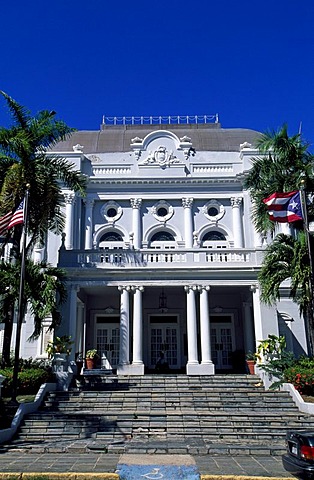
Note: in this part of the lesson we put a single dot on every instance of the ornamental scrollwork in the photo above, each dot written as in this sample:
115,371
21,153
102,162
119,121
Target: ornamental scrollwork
161,156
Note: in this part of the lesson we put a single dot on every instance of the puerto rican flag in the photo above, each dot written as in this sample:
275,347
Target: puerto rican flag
284,207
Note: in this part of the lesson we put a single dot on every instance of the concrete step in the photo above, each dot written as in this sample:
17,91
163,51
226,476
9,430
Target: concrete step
166,413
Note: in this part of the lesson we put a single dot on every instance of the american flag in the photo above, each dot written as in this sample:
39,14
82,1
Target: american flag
4,222
18,216
12,218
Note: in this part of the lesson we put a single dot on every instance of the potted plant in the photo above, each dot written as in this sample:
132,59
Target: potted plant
91,358
250,361
270,348
59,346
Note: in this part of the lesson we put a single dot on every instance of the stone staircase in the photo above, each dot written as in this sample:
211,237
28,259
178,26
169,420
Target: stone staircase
221,414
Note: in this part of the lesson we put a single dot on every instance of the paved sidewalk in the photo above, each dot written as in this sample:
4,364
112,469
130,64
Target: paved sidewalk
252,466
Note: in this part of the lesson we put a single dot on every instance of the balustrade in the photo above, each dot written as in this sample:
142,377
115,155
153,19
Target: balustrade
148,258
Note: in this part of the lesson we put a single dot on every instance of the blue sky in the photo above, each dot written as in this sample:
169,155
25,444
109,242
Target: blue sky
251,62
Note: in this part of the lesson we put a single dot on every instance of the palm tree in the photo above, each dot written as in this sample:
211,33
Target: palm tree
25,163
44,293
284,164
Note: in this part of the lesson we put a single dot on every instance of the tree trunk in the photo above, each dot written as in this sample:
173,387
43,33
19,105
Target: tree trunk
309,328
8,329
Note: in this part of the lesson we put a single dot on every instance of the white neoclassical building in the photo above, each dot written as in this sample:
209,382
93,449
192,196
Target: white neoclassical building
161,255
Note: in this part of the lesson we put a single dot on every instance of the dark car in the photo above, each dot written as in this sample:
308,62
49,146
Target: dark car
299,459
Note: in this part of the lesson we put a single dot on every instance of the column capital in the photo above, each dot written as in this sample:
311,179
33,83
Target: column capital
89,202
192,288
140,288
187,202
236,202
254,287
69,198
205,288
126,288
75,287
136,203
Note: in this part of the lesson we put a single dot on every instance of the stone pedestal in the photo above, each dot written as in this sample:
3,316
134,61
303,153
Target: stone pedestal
200,369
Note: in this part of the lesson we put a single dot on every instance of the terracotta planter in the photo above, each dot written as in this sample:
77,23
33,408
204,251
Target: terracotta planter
90,363
250,366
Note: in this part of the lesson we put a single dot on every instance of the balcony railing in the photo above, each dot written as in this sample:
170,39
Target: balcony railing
162,258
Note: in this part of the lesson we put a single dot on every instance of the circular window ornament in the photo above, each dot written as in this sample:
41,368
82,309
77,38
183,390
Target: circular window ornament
213,210
162,211
111,211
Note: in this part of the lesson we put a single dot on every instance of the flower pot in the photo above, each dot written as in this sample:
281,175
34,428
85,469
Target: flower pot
90,363
250,366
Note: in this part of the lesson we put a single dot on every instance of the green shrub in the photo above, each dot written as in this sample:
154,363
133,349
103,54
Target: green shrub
307,362
29,379
288,369
277,366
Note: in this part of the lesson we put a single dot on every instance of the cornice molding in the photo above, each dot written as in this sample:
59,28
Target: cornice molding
163,181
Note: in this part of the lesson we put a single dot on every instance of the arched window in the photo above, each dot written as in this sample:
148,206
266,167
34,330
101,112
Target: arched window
111,241
111,237
213,236
162,237
162,240
214,239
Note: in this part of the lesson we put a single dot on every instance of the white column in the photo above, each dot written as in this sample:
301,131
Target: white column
248,327
69,219
191,368
136,206
207,365
137,364
124,354
187,204
257,314
79,344
73,315
89,204
237,222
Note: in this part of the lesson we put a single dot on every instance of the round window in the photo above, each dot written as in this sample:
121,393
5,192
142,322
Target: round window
212,211
162,212
111,212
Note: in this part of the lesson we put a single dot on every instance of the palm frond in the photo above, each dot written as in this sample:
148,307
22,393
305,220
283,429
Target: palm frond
19,113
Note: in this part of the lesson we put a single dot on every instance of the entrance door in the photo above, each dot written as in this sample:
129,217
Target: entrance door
164,339
222,345
108,343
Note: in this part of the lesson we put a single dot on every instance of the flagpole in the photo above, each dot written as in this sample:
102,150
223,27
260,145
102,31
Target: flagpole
21,303
309,327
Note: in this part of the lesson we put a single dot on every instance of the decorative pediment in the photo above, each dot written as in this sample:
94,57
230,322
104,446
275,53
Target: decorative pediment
162,148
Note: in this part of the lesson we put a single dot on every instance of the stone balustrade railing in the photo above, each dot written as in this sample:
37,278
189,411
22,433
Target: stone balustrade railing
148,258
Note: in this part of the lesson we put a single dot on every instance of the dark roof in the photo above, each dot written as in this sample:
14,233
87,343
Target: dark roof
204,137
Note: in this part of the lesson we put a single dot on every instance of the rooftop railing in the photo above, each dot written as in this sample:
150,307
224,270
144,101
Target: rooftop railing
159,120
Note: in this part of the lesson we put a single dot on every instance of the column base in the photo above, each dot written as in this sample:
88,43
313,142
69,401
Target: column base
131,369
200,369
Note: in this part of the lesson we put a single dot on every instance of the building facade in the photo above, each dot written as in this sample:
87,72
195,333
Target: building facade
161,255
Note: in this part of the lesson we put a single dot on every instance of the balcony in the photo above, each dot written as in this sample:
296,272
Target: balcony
209,258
